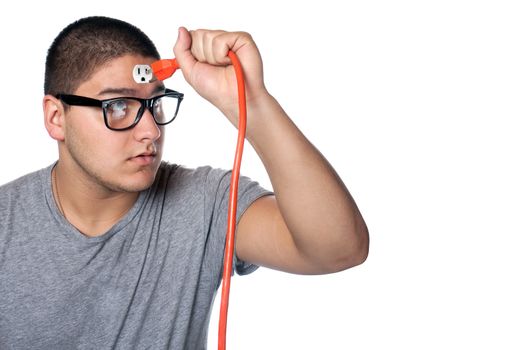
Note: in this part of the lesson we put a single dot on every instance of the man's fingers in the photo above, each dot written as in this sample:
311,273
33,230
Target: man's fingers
182,50
211,46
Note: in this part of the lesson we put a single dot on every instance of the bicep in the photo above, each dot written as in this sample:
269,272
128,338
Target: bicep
263,239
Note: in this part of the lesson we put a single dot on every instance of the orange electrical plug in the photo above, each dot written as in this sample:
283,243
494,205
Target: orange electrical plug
163,69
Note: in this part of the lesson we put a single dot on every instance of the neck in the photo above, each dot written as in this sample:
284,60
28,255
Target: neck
87,205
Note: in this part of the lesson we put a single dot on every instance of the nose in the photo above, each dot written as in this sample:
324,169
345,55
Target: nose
147,129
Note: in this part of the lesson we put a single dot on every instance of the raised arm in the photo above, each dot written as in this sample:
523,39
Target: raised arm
312,225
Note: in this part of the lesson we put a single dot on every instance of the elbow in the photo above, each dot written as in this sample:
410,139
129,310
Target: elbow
357,251
362,244
349,250
357,244
360,253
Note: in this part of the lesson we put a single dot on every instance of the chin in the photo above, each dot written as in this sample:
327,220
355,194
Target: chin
135,187
139,181
143,182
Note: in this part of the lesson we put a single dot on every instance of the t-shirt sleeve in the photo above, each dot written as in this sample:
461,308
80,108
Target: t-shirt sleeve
249,191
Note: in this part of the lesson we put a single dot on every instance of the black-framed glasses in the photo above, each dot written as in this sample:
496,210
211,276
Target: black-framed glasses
123,113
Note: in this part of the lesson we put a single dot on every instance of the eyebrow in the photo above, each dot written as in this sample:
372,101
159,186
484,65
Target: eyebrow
127,92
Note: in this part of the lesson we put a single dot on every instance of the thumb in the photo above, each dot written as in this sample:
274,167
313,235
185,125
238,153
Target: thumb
182,51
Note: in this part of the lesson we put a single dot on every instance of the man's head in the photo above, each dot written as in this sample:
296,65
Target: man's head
87,44
94,58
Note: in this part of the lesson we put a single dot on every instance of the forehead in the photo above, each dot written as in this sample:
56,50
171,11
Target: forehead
117,74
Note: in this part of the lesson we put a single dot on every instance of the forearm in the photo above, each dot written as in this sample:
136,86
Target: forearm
322,217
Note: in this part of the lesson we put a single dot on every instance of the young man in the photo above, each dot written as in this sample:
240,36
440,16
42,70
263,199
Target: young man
110,247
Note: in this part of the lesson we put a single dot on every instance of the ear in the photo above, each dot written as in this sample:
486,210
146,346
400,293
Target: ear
54,117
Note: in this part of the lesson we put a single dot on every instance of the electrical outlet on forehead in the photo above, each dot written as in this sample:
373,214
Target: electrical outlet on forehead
143,74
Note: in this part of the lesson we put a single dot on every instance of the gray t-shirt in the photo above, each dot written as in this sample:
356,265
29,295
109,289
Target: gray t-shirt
147,283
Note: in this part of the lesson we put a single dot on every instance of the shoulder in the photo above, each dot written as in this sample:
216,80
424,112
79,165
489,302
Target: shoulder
205,180
28,184
182,176
19,199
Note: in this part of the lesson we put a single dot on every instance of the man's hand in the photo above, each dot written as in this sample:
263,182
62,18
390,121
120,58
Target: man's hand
203,59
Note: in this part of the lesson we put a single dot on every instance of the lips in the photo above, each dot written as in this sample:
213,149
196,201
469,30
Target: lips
147,154
144,158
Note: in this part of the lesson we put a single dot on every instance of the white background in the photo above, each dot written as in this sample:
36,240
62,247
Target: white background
417,104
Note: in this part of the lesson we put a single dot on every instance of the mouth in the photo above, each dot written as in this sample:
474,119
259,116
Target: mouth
145,158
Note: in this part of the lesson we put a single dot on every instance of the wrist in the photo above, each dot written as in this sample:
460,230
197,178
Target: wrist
256,104
266,121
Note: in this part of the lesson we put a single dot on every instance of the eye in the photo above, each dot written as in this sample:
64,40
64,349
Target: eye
158,104
118,109
158,110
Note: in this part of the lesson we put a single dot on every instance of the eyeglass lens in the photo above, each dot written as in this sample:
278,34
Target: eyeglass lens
123,113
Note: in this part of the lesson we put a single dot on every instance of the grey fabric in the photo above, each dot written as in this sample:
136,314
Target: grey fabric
147,283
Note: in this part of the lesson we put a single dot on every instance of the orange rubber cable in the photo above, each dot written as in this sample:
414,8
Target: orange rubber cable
232,205
163,69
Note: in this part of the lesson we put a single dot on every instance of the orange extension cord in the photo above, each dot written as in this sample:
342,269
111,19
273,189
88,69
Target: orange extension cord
163,69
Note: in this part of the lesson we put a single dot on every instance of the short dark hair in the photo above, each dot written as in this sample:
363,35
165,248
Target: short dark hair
87,43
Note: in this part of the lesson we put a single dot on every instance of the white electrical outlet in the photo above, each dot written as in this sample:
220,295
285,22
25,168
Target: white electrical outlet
143,74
